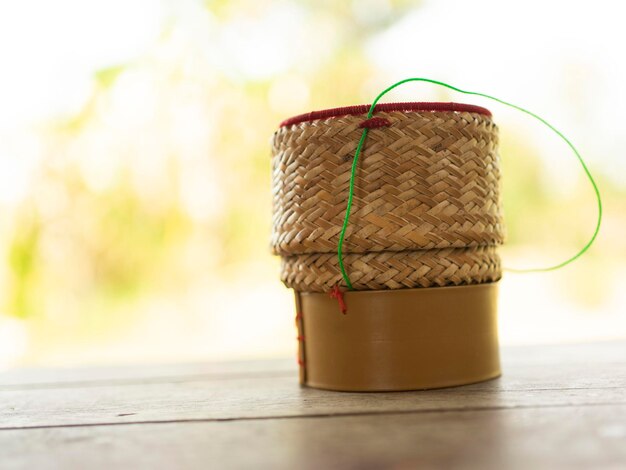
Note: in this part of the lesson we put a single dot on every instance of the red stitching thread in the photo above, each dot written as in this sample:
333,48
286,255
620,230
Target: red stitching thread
375,122
300,338
335,293
300,362
385,107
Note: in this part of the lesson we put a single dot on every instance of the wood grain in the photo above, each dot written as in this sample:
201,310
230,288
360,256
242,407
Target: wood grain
555,438
555,407
34,377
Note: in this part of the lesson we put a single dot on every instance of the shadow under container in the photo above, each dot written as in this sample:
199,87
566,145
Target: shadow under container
420,248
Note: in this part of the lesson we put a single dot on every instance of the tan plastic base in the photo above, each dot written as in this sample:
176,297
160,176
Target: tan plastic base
408,339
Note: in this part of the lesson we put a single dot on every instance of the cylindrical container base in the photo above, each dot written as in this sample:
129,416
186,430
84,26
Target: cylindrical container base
392,340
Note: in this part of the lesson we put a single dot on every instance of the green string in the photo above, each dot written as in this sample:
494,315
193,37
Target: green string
557,132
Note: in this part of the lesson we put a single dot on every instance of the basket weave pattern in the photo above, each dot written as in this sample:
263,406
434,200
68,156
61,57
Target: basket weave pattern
426,209
393,269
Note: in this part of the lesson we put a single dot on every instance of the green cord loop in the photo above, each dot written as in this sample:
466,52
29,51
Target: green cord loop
359,148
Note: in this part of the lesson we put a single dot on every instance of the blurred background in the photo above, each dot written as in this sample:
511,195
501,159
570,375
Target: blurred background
134,161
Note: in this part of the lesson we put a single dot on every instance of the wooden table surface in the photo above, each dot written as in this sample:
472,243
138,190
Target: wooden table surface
554,407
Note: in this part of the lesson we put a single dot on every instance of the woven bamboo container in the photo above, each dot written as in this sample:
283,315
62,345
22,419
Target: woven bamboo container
420,248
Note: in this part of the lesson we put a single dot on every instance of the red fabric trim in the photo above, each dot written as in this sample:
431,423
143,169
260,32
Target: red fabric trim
364,108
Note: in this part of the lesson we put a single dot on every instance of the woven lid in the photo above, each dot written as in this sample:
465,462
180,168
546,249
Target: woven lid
427,180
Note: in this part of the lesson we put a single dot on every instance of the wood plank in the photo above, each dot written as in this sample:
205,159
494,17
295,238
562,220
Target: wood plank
588,437
42,377
550,381
569,356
